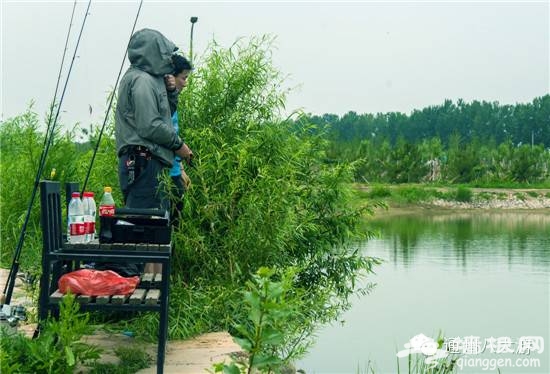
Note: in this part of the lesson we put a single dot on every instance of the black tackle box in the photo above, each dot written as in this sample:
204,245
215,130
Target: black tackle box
130,225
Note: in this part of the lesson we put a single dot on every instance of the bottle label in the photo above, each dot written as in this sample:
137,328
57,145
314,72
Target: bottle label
107,210
89,227
77,226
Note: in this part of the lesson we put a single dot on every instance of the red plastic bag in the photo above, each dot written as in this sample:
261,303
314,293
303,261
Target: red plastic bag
97,283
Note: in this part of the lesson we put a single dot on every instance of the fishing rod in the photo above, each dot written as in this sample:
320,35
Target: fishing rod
10,283
110,101
13,270
48,126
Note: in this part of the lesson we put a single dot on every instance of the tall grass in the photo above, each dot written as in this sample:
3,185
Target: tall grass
21,144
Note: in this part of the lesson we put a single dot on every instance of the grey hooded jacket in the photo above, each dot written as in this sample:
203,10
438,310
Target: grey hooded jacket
143,113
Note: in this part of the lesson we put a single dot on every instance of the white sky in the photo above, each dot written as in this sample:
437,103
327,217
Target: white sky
361,56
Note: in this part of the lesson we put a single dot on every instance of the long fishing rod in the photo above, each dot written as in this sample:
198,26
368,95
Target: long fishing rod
110,101
13,270
48,124
8,289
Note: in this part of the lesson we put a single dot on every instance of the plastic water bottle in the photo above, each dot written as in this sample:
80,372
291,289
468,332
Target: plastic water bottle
107,203
89,215
76,231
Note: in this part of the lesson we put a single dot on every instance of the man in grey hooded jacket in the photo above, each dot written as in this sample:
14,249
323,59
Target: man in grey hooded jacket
145,137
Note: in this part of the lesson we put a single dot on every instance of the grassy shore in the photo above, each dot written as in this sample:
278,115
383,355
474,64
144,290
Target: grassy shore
455,197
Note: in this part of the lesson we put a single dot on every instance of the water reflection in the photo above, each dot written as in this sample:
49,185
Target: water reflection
460,237
483,274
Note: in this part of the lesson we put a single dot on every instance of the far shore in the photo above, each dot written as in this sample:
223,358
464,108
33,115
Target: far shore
482,199
426,209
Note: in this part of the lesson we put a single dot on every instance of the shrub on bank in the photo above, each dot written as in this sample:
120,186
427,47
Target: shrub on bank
379,192
463,194
262,195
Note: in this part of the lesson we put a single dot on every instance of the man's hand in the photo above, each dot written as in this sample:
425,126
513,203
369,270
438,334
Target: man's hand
170,82
185,153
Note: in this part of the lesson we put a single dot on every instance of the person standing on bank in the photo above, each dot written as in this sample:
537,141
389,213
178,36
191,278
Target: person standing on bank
146,140
180,180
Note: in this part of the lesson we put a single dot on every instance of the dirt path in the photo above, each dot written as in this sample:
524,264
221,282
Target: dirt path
191,356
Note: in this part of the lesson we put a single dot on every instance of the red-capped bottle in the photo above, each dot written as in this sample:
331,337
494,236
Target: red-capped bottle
76,232
107,203
89,215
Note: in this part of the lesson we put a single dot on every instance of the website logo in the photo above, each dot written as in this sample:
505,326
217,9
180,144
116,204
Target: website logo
426,346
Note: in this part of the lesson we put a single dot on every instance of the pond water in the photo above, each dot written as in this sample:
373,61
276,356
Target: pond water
480,278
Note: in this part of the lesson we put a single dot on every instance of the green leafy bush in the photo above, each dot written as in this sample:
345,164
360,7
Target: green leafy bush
271,311
262,194
379,191
131,361
487,196
534,194
56,350
444,195
502,196
22,144
520,196
22,140
413,194
464,194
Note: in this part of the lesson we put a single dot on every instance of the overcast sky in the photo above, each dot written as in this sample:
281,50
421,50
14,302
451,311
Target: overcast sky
361,56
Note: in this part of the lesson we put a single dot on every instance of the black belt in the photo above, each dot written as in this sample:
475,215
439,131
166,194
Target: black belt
136,150
138,156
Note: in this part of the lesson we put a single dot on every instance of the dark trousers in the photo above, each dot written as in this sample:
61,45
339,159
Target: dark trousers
176,206
145,191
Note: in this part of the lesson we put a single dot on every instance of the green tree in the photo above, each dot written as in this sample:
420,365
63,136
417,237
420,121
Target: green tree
525,164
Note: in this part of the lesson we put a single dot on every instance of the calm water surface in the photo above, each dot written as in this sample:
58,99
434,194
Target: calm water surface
465,274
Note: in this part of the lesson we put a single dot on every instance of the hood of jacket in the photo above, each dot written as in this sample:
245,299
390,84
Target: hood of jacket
151,52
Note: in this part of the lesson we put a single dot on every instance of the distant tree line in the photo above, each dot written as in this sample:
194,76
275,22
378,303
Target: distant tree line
478,142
